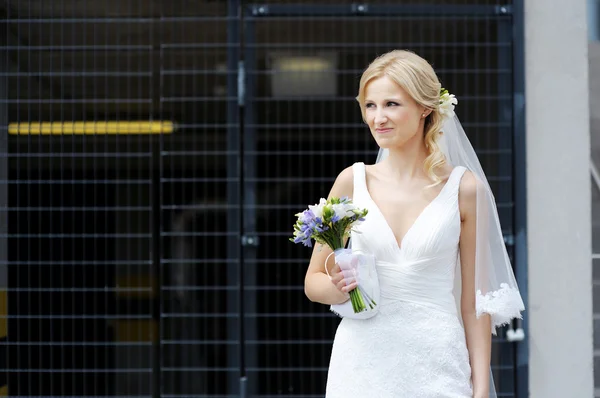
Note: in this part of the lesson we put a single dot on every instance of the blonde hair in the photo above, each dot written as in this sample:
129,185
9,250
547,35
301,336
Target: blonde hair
416,76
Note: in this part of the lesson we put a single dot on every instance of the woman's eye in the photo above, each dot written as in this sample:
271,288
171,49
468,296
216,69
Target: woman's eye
369,105
392,103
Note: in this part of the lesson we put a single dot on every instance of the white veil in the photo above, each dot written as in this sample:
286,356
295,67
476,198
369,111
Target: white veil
496,289
497,293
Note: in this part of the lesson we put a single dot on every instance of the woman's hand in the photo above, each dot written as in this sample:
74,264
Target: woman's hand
344,281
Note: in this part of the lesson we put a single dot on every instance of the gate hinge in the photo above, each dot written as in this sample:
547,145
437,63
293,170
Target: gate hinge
241,83
250,240
360,9
504,10
243,386
260,10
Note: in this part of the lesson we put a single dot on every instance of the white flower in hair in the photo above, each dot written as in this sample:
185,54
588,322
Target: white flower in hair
447,103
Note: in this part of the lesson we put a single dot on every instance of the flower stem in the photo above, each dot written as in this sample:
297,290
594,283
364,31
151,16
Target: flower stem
369,298
358,304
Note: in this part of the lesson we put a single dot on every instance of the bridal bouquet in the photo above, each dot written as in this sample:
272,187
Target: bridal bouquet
328,223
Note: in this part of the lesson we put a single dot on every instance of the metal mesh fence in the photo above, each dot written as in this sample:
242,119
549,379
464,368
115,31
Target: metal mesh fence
304,139
80,293
199,203
153,259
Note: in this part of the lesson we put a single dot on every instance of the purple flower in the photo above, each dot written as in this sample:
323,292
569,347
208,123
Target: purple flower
305,227
307,216
305,240
321,228
308,229
317,225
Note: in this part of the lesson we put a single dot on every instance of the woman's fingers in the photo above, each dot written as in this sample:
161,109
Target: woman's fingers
344,281
335,269
336,273
349,287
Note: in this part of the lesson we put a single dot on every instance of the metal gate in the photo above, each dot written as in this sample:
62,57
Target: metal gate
153,259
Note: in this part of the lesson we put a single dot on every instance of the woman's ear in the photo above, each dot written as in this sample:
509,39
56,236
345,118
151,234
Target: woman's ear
426,112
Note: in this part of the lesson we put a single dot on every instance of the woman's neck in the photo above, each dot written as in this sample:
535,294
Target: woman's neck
406,162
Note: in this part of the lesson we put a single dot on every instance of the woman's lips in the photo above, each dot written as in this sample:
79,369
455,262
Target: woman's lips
383,131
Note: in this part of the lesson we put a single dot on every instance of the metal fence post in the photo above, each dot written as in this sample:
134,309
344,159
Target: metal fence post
520,189
4,349
234,324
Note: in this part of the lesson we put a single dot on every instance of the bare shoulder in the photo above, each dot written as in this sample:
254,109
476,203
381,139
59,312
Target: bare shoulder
467,194
468,185
344,184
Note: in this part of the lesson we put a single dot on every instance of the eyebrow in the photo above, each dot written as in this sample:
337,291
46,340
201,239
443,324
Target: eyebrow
385,99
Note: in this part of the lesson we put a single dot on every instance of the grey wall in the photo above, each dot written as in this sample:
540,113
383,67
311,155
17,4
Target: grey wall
594,84
559,227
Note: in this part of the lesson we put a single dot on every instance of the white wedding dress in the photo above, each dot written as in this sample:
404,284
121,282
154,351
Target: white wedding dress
415,346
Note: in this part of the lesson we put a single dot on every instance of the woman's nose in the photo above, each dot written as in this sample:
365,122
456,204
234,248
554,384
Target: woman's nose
380,118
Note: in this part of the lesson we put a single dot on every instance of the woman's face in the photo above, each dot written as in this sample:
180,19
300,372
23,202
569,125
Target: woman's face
394,118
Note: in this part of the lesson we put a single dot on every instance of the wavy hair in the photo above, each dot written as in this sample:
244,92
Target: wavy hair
417,77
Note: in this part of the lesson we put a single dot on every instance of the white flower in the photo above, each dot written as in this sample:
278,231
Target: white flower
318,208
351,208
447,103
342,210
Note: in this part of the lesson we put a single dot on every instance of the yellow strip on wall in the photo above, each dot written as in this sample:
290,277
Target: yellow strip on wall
4,391
138,127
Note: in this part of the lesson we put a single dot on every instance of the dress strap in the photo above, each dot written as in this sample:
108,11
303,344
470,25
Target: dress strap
360,181
455,178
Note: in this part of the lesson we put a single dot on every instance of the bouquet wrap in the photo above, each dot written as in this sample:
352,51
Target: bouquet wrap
329,222
359,266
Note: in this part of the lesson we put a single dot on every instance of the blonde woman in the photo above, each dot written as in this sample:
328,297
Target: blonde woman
445,279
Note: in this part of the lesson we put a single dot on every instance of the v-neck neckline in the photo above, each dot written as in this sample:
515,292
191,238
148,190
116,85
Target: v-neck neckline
400,245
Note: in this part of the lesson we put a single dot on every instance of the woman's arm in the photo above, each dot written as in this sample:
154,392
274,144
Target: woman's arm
477,331
317,286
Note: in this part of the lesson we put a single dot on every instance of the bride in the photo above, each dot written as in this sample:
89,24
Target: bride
444,275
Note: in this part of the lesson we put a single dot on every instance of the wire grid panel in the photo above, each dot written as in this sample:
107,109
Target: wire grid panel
199,202
307,128
80,276
309,5
124,258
